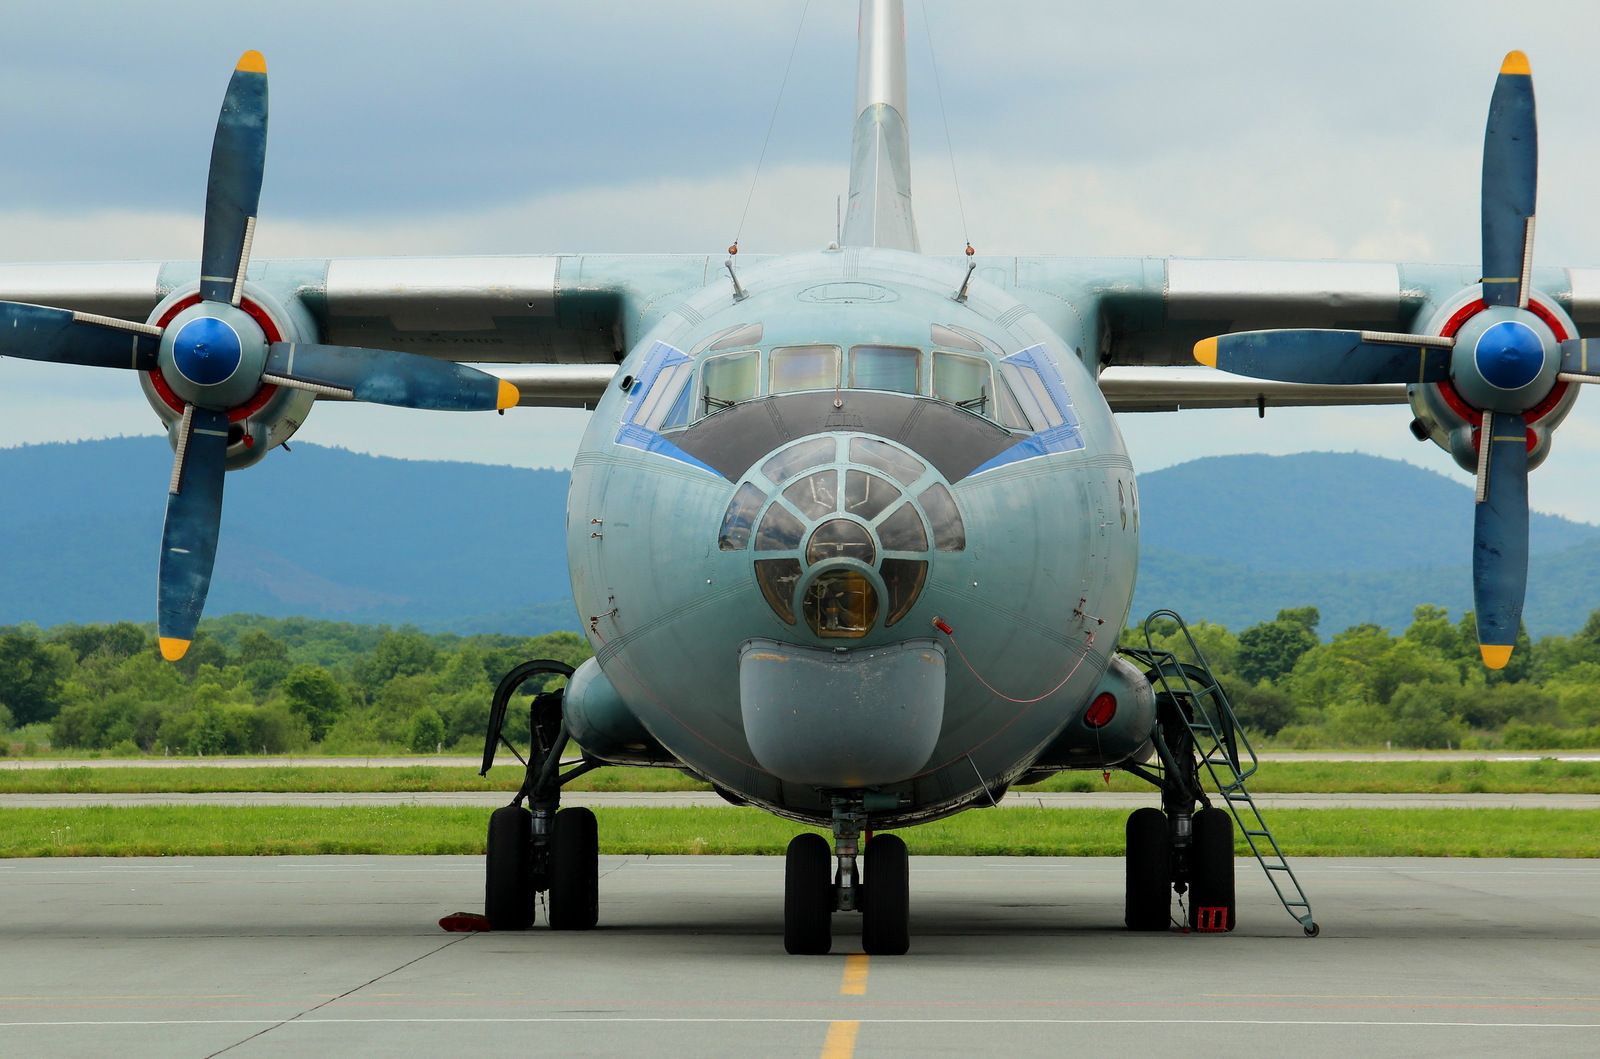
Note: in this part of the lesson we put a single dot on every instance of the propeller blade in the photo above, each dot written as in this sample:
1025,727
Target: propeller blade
36,332
1329,357
233,189
1578,362
1510,179
406,380
189,538
1500,536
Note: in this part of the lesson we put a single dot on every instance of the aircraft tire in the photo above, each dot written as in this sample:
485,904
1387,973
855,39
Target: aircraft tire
1211,866
574,870
508,899
808,896
1148,903
886,897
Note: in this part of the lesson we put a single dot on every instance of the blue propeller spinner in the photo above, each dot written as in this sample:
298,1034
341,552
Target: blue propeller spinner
1500,358
214,357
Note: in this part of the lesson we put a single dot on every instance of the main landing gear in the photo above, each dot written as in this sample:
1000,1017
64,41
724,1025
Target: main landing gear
874,881
547,850
1175,848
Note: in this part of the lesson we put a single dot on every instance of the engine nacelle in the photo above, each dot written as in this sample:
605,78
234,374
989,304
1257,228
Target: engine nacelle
1444,417
269,418
600,722
1115,725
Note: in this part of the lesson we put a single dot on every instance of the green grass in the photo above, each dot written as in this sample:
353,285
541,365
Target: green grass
185,831
1546,776
317,779
1543,776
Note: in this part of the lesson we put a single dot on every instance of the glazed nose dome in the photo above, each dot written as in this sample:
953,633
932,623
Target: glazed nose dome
842,527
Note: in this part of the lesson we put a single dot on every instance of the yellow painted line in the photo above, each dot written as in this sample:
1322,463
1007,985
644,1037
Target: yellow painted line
841,1042
855,974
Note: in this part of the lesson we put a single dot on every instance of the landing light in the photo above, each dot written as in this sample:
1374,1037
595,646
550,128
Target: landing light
1101,710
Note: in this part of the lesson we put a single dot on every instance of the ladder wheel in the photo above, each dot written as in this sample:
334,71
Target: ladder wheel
1211,869
1149,872
1313,930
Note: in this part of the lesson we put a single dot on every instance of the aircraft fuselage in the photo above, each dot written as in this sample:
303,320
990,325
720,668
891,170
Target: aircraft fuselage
785,490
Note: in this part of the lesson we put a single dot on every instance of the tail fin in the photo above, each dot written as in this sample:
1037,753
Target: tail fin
879,211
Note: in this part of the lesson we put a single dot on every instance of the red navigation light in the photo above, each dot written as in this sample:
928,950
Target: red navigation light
1101,710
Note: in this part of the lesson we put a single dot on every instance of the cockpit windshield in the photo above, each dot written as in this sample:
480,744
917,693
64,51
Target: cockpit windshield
980,378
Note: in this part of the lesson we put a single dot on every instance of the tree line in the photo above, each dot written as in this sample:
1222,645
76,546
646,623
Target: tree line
251,684
1425,688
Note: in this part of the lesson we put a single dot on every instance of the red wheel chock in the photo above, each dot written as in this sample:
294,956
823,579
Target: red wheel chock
465,923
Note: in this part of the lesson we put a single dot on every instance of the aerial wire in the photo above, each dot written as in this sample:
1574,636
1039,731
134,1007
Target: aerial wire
927,27
770,124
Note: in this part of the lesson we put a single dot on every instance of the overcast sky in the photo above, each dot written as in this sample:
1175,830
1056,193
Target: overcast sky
1227,128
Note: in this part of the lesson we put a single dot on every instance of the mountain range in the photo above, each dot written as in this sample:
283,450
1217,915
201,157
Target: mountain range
464,547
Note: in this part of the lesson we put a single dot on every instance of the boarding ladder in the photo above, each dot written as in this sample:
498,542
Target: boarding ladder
1224,750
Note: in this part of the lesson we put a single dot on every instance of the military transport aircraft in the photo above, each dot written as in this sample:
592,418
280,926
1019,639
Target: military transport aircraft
853,531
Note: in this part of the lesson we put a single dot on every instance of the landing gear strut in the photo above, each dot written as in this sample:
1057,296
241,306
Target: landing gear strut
874,882
1175,848
548,850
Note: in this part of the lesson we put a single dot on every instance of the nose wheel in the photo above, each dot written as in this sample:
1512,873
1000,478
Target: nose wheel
886,897
808,896
874,881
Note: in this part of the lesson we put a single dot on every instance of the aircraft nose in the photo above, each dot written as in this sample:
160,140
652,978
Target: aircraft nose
844,530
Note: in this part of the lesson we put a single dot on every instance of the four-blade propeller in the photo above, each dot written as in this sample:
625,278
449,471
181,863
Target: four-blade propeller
1503,361
216,358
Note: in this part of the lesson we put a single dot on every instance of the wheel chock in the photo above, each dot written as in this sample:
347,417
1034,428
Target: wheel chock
1211,920
465,923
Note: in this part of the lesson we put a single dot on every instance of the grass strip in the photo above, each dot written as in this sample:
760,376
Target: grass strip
1543,776
151,831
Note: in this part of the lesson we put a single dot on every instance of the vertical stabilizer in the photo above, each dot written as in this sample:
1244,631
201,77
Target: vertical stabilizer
879,211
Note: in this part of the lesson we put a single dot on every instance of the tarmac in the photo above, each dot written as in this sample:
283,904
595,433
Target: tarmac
341,956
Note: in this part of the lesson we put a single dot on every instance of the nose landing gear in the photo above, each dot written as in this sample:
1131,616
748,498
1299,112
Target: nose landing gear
878,886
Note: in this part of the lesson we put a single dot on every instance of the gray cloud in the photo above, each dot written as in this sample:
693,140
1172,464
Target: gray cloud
1230,128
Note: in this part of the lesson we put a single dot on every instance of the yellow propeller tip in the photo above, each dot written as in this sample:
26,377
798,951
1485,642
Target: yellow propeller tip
1495,656
1516,63
173,649
252,62
509,395
1205,352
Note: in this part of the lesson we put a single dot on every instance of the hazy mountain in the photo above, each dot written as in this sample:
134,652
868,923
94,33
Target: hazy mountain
1233,539
319,532
465,547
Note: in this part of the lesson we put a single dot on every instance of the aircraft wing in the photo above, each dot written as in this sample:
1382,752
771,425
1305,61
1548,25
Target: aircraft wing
1151,312
555,325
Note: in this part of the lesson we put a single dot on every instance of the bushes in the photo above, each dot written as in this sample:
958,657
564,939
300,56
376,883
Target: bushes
1426,688
255,684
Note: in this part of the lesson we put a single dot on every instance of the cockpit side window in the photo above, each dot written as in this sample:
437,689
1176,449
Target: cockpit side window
668,385
729,378
1032,394
796,368
963,381
897,368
